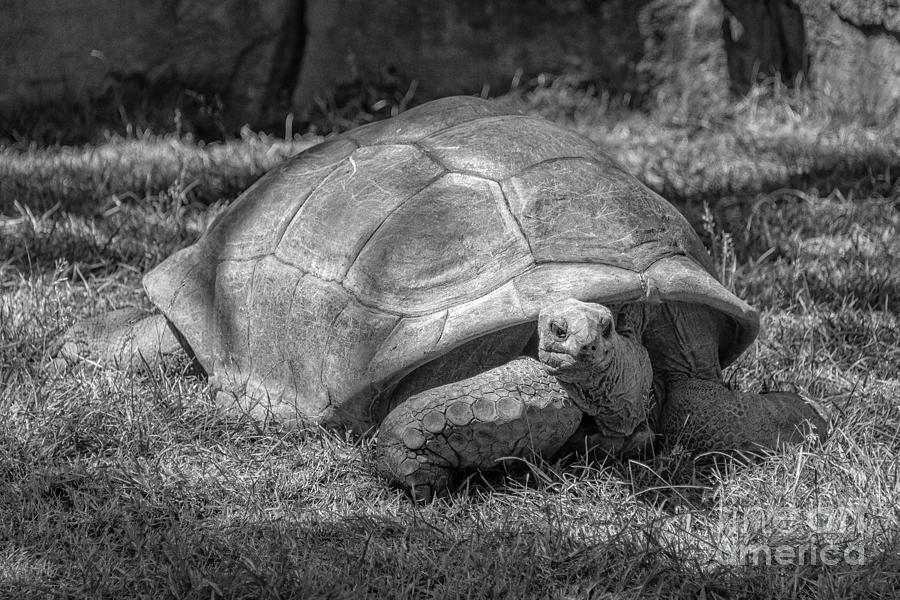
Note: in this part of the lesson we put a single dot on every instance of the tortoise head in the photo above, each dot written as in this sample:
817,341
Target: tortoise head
575,338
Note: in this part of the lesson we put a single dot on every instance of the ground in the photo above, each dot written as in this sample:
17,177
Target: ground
114,485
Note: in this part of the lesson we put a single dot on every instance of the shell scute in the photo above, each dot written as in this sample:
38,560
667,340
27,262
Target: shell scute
501,146
573,211
328,231
453,241
252,226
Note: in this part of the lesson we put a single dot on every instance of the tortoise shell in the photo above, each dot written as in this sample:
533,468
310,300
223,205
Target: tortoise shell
362,258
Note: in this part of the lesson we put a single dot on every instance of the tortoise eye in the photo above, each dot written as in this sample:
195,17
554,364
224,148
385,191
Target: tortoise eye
606,328
559,329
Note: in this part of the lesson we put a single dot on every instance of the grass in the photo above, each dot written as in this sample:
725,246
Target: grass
114,485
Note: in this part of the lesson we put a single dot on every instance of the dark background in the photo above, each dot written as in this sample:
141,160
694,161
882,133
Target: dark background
71,68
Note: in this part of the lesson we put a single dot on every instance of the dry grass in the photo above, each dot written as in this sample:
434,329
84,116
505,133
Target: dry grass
116,486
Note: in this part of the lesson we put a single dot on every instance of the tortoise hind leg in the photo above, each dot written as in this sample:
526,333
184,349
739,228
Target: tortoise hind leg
709,416
129,338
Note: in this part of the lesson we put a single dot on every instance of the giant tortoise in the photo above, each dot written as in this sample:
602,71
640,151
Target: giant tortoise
398,272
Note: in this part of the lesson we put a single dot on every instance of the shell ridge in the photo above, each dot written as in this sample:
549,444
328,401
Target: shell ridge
198,343
515,219
250,303
647,287
294,383
467,172
390,213
381,350
287,222
669,255
547,161
325,345
489,118
349,292
393,330
231,259
170,305
550,261
443,328
431,156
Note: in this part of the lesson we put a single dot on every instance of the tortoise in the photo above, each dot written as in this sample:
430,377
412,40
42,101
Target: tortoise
396,273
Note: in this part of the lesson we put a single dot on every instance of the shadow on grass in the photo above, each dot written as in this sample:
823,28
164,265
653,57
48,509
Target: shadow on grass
862,171
109,493
180,555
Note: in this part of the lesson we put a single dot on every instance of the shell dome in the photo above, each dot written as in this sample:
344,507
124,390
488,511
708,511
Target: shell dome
362,258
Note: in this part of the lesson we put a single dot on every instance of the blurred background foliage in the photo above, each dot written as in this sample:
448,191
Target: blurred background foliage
76,72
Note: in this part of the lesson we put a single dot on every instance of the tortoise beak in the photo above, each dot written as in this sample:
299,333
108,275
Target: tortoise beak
554,362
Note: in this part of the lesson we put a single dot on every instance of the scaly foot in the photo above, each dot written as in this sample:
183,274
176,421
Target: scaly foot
708,416
514,410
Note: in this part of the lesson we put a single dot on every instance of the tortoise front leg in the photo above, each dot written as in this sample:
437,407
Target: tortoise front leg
514,410
706,415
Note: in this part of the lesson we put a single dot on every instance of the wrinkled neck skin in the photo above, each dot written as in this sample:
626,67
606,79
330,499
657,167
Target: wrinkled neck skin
613,386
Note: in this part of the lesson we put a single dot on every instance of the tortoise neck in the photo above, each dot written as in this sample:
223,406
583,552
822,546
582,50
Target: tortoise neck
617,392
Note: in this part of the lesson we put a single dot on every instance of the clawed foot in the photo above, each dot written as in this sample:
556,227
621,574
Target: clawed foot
708,416
796,415
514,410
